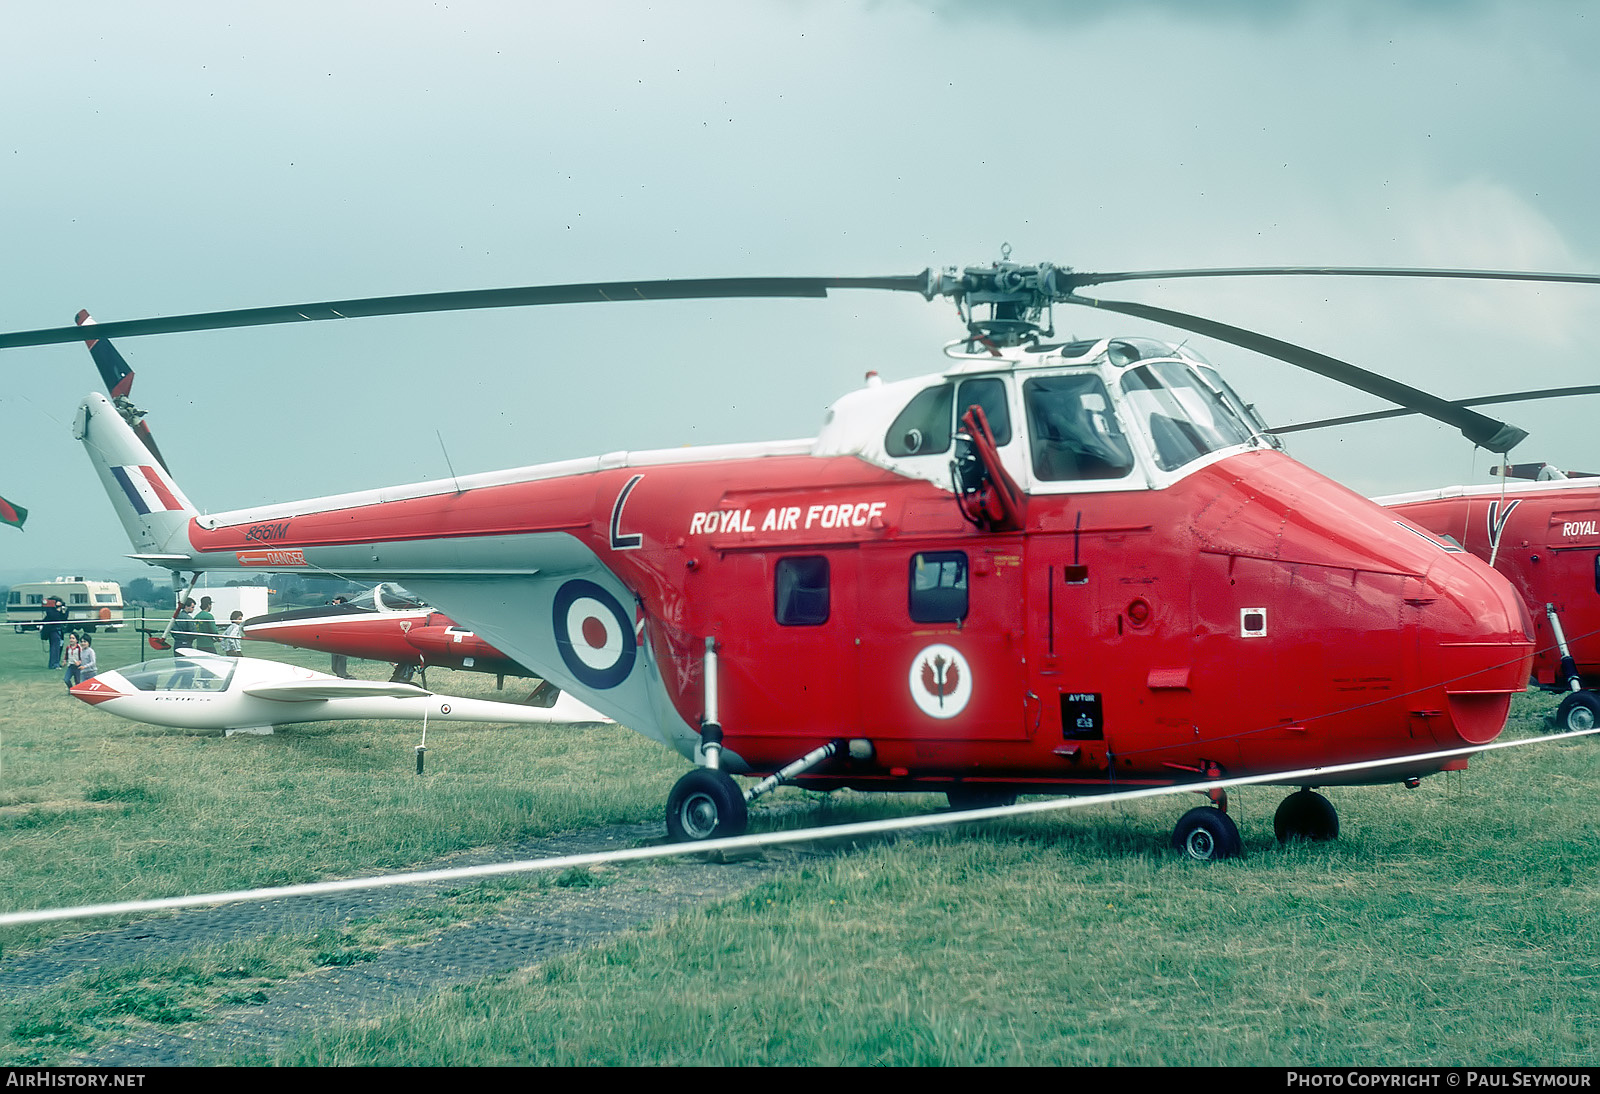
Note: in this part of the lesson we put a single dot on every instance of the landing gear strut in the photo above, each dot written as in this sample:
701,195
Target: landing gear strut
1579,710
706,803
691,805
1306,815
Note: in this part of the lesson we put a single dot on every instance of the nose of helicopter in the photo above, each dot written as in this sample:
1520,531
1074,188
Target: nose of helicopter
1474,650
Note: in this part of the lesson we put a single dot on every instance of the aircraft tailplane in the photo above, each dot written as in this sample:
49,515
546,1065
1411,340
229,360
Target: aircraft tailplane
152,509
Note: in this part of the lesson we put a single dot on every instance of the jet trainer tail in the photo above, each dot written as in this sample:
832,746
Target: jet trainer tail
149,504
119,384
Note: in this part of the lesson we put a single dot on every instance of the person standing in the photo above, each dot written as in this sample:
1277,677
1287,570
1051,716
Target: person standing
183,635
233,635
205,625
86,662
55,622
70,657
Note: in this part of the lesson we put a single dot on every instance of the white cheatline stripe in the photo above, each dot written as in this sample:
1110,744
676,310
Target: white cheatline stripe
1308,776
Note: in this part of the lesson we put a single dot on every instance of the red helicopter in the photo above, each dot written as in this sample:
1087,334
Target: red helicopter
1050,568
1544,536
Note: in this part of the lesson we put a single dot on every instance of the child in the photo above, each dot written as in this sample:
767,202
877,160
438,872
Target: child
86,664
72,659
232,635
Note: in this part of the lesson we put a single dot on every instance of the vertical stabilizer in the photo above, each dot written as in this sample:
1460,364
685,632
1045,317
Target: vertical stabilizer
149,504
119,385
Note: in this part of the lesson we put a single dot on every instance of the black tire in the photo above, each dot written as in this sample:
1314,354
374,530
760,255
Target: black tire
1580,710
973,798
1306,815
1207,835
705,804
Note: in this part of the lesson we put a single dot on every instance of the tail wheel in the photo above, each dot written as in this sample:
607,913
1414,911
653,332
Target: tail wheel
1207,835
1580,710
1305,814
706,804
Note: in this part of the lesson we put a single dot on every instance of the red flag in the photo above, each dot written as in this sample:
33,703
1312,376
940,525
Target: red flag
13,515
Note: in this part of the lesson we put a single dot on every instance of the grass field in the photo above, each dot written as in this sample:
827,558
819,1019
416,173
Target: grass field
1449,924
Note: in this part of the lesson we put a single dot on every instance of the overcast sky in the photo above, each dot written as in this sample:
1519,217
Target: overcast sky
161,158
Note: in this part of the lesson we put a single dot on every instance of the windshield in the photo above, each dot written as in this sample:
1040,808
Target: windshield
1245,411
1185,418
388,597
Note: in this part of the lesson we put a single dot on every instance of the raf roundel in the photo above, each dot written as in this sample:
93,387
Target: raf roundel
593,634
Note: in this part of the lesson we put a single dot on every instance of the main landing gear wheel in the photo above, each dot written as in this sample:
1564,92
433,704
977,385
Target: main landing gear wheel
1207,835
706,804
1305,815
1580,710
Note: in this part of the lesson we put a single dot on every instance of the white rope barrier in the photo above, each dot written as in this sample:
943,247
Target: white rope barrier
1310,776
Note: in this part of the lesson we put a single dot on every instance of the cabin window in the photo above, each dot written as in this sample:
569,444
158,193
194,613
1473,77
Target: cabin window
923,427
801,591
939,587
80,598
105,598
181,674
1073,430
990,394
1186,419
14,598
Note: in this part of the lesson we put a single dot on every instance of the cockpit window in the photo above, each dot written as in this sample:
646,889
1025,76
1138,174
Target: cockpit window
182,674
396,599
388,597
923,427
1185,418
990,394
1074,430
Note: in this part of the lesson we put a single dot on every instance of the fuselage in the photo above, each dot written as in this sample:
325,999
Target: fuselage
398,630
210,691
1178,598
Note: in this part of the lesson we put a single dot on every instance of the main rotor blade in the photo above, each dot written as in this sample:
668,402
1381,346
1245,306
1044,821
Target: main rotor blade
528,296
1079,280
1378,415
1484,431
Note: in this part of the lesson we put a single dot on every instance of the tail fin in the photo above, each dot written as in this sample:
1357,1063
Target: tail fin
119,385
149,504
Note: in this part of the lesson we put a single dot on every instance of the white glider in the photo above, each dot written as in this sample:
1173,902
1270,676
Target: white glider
209,691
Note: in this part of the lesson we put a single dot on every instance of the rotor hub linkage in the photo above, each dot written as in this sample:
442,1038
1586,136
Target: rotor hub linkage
1019,298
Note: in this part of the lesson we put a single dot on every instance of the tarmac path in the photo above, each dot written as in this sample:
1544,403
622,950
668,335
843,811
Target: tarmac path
530,930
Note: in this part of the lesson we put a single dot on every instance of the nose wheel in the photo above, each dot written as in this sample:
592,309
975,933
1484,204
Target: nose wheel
706,804
1207,834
